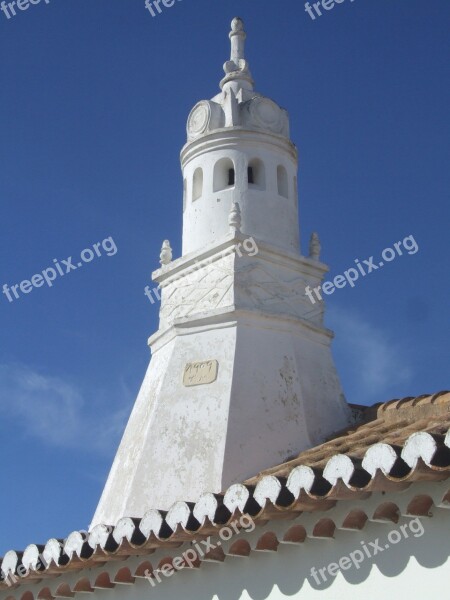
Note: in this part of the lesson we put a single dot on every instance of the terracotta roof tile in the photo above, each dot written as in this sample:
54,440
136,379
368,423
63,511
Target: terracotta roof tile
391,422
395,445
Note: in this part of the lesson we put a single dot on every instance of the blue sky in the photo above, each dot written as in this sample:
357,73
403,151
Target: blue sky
94,97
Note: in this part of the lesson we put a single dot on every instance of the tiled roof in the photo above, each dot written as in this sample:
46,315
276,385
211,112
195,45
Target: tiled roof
395,444
389,423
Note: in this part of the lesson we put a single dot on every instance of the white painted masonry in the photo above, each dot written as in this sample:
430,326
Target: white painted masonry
277,391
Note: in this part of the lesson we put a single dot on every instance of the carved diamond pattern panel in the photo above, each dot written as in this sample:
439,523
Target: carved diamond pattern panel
208,288
250,284
276,290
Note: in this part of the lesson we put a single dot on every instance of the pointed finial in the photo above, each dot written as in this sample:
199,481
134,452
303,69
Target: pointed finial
166,253
314,247
237,36
234,220
237,68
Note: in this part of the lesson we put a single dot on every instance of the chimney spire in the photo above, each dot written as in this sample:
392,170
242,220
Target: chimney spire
235,317
237,68
237,36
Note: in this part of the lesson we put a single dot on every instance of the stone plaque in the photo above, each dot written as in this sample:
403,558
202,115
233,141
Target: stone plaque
200,373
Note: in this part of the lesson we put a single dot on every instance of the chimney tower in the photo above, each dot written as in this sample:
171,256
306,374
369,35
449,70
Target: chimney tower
241,376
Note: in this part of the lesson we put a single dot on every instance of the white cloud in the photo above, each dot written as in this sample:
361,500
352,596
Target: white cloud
50,409
372,367
375,366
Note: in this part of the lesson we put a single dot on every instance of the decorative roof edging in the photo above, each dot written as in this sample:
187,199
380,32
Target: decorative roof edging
298,530
424,457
